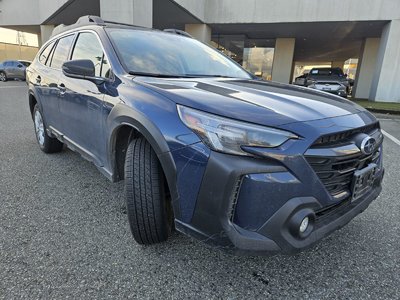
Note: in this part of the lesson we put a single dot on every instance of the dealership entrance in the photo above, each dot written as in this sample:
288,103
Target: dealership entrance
272,41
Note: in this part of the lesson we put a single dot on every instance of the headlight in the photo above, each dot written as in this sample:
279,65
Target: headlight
227,135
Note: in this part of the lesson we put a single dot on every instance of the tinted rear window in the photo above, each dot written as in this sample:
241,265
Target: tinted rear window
46,53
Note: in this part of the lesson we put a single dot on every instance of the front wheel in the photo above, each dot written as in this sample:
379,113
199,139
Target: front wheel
3,77
147,204
46,143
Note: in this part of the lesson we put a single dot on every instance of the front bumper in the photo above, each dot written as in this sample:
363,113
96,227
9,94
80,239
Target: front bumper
341,93
270,204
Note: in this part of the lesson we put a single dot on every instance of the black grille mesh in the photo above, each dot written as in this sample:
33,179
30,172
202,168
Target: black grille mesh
344,135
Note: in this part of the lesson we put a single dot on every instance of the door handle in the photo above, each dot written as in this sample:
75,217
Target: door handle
62,89
38,79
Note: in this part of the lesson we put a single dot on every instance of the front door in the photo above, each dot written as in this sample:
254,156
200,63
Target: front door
81,103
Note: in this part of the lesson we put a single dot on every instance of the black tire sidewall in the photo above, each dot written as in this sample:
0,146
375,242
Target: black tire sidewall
153,227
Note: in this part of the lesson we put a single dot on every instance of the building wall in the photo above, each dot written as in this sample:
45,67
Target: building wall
27,12
12,51
272,11
196,7
137,12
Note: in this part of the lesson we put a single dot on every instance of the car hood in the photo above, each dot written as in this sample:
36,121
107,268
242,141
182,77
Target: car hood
256,101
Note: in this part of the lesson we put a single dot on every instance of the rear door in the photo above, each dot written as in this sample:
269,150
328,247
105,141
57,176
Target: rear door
82,104
49,79
20,70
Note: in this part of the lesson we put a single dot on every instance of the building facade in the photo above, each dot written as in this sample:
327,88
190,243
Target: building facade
268,37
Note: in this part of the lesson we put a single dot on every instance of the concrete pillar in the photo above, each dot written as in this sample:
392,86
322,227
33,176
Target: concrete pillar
366,67
337,64
283,60
136,12
45,33
201,32
385,83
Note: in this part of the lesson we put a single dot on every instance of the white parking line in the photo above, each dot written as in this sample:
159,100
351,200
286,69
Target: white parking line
391,137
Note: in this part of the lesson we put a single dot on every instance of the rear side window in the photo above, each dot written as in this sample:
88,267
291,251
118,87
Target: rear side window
46,53
62,50
88,47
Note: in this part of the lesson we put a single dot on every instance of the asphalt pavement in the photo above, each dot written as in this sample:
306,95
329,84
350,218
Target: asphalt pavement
64,234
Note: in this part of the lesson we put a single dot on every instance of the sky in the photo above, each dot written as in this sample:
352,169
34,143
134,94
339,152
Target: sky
11,37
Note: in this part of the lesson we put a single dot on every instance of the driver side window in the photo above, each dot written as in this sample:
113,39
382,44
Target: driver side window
88,46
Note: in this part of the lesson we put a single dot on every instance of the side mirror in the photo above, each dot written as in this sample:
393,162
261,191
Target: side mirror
81,69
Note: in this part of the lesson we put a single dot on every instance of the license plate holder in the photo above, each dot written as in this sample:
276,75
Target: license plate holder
363,180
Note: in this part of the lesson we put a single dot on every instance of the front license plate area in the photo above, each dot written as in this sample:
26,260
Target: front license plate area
363,180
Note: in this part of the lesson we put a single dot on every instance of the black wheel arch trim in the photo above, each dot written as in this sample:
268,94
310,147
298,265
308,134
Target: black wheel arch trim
122,115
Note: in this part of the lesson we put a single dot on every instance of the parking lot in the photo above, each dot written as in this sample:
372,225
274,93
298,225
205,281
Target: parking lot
63,233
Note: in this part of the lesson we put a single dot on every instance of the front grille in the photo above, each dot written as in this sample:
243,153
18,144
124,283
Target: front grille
336,172
328,83
342,136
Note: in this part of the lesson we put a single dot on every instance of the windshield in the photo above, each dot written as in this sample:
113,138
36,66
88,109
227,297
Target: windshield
159,53
327,72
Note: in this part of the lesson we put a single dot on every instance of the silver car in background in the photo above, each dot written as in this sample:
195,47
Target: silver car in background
13,69
331,80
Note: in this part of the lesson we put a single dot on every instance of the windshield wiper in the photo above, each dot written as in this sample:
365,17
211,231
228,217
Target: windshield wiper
134,73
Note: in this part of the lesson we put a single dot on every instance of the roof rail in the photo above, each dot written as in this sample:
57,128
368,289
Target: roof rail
85,20
178,32
125,24
90,19
95,20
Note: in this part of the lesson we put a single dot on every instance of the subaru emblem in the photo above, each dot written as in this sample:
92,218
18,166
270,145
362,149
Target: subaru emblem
368,145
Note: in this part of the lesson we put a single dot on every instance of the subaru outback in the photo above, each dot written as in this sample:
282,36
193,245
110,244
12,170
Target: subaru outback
203,146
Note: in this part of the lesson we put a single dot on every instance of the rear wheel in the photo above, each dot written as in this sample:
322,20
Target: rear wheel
3,77
46,143
149,216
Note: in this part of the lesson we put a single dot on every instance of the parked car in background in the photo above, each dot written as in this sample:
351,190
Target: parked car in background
301,80
202,145
331,80
13,69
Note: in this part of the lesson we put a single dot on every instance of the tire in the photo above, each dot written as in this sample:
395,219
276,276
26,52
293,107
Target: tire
3,77
148,208
46,143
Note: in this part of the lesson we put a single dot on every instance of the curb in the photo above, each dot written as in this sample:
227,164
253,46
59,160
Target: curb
383,111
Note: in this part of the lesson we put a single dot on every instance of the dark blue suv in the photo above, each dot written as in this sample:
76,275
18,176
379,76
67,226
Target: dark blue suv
204,146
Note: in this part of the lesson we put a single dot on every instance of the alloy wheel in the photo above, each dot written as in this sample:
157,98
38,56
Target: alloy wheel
39,128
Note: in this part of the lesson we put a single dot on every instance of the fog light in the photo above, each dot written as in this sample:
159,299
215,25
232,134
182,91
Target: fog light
304,225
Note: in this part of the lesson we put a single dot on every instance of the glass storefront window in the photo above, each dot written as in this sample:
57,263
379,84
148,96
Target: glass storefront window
259,61
255,55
